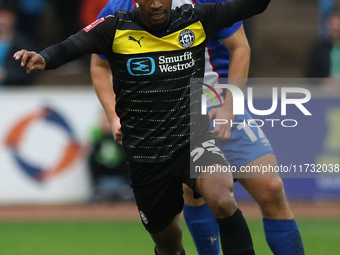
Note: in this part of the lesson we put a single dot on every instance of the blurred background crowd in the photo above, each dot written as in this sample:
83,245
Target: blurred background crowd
296,38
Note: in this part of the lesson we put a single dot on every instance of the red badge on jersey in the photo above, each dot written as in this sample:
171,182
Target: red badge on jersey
94,24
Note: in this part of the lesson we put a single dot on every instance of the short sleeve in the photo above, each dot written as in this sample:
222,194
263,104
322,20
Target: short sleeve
229,31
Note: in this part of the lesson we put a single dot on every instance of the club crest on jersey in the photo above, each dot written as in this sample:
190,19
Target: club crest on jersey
186,38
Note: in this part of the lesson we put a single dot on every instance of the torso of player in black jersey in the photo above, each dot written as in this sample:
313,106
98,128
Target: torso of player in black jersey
153,71
152,76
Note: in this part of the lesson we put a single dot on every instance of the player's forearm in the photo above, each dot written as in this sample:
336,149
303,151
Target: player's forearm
238,73
239,66
239,54
102,81
107,99
59,54
239,63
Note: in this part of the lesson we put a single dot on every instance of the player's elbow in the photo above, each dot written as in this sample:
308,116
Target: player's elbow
246,49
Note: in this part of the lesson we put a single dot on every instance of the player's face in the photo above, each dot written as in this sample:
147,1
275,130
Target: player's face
155,14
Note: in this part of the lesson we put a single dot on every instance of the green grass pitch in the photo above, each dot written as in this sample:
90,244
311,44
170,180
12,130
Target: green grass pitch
129,237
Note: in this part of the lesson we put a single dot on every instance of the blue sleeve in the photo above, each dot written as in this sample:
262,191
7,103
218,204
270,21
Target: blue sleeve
106,10
111,7
228,31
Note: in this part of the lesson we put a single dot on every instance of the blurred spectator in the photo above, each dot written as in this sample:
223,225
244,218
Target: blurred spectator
68,15
11,73
30,13
325,9
90,9
324,58
108,166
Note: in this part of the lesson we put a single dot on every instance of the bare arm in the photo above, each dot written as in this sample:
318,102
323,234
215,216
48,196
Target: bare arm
102,81
239,52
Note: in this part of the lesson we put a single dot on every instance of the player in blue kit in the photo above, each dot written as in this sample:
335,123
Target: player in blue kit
227,54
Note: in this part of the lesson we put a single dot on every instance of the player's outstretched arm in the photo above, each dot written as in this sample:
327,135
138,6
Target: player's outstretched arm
31,59
95,38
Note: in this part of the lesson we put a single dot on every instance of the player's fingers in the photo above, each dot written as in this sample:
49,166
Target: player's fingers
115,136
30,66
226,135
221,132
18,54
216,130
118,138
212,113
25,57
34,63
118,131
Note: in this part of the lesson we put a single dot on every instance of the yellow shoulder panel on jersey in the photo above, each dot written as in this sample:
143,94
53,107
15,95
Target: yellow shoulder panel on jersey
139,41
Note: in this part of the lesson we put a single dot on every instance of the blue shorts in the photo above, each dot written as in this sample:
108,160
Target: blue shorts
246,143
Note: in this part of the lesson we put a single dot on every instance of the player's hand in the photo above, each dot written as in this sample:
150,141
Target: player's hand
31,59
116,129
222,131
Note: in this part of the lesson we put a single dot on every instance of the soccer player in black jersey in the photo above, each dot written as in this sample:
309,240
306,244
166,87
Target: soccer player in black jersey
153,52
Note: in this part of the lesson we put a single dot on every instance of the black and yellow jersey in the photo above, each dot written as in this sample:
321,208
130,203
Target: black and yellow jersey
152,71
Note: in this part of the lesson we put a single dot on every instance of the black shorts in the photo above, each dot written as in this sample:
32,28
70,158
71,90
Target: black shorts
158,186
